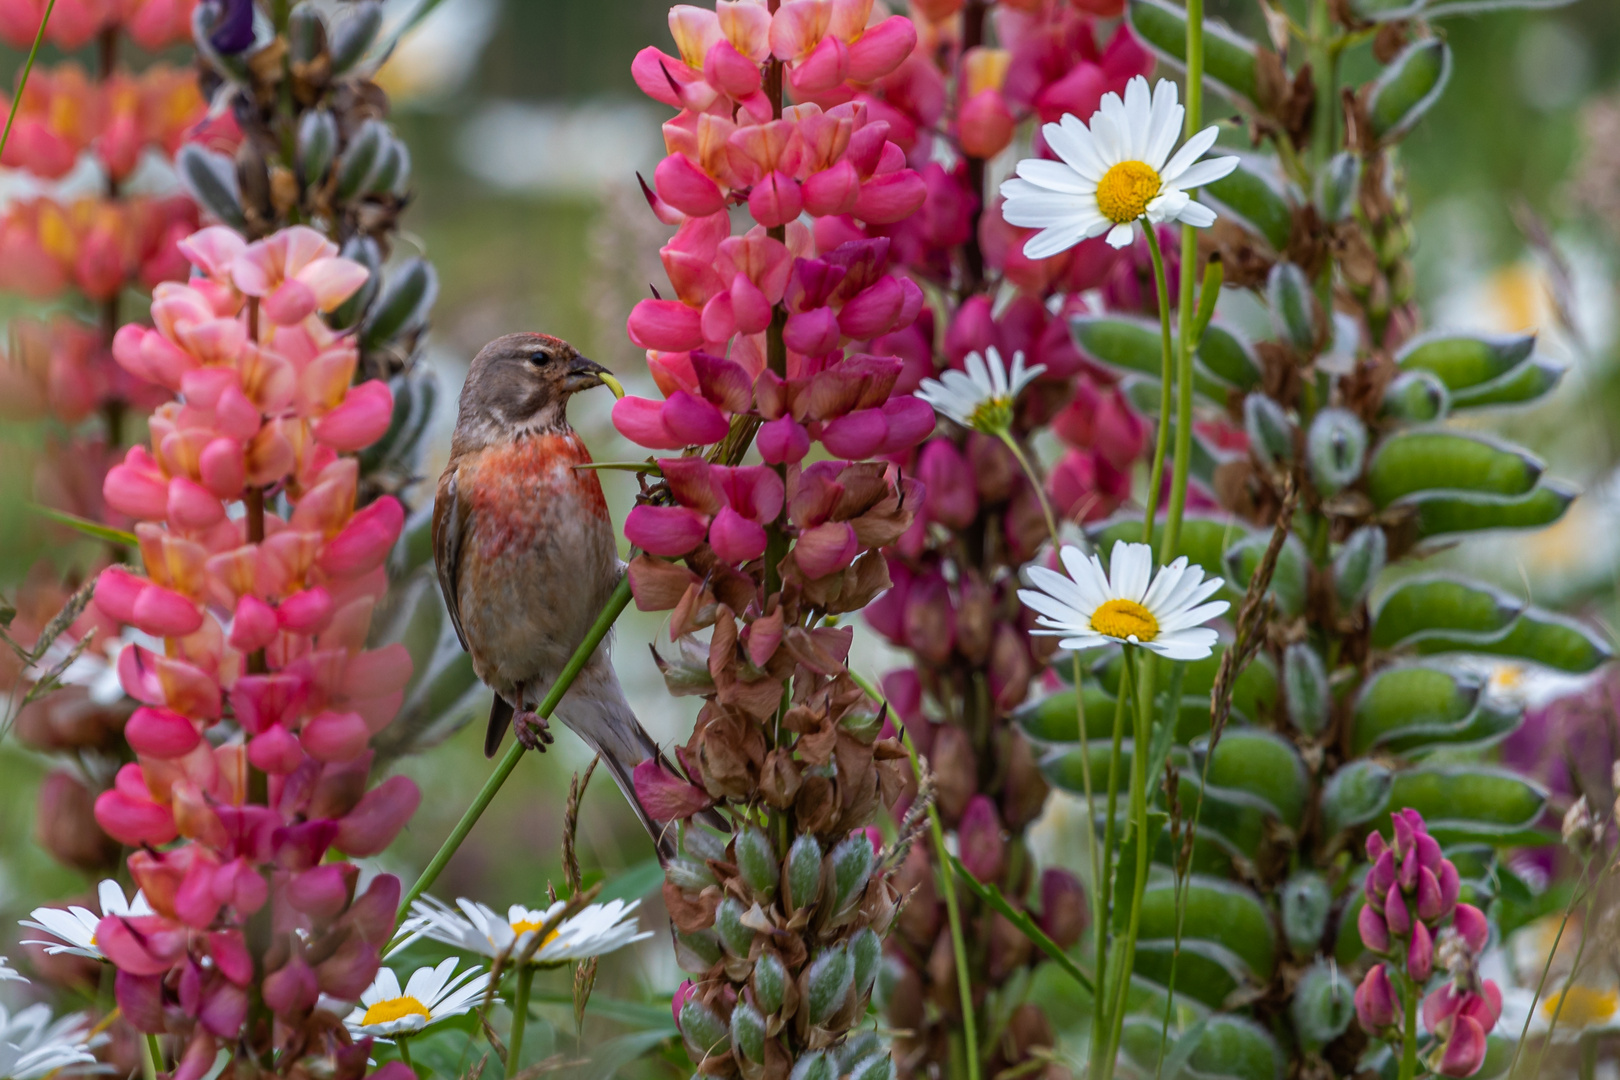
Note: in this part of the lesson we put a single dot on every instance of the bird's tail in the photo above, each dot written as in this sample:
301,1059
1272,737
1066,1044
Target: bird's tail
595,709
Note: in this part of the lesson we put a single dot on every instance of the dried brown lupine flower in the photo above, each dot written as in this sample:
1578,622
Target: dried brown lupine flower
1582,832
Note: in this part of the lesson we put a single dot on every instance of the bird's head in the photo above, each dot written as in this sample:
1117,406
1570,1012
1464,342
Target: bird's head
522,383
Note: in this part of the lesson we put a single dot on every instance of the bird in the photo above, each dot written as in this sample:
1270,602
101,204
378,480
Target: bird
525,553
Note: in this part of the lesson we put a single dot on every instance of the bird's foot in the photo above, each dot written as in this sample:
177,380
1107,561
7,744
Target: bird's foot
533,730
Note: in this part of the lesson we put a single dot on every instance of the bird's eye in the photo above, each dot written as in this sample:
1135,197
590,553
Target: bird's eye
540,359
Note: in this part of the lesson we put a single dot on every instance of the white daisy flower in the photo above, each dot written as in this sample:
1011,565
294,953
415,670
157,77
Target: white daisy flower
430,995
1130,605
76,926
477,928
31,1046
1113,173
9,973
982,398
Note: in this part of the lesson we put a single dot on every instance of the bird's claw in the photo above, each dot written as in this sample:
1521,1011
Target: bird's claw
533,731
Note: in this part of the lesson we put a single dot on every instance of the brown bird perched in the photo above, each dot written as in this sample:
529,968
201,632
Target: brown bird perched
525,550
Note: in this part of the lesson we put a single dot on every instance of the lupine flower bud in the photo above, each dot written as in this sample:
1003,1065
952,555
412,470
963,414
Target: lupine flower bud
1064,915
828,983
770,983
1306,685
803,872
1376,1003
983,851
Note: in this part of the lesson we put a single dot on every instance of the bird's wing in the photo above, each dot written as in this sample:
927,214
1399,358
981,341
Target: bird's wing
451,517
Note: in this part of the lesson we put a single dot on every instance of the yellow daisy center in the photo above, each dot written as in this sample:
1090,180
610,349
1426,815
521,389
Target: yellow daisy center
1582,1006
529,926
1125,191
992,415
1125,619
385,1012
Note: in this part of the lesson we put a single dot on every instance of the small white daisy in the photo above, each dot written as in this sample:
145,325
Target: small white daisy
77,926
477,928
431,995
982,398
1131,605
31,1046
9,973
1114,172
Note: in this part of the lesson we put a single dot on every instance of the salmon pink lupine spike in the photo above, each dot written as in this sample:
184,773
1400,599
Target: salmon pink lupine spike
276,626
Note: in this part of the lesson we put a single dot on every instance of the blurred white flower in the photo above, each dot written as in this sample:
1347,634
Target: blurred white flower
983,398
477,928
74,927
31,1046
430,995
9,973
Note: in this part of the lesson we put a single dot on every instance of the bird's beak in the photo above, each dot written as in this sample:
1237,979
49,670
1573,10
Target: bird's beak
584,374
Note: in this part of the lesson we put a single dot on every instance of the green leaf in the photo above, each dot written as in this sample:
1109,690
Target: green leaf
1408,87
1229,58
93,529
1470,802
1464,361
1253,195
1408,698
991,895
1447,513
1443,460
1263,764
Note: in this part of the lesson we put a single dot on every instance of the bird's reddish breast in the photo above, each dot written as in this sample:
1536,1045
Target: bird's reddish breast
518,490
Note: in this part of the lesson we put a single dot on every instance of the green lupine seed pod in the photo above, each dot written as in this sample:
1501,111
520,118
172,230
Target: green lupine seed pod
697,952
1416,397
1445,513
210,179
1463,361
354,34
878,1066
316,144
1416,462
1358,564
1335,447
1271,433
770,982
1337,186
1229,357
1324,1004
306,34
404,303
851,867
757,862
748,1031
359,158
1306,902
701,844
813,1066
389,161
728,925
1529,381
1398,700
363,250
1251,195
831,975
1356,793
689,874
703,1029
1408,87
803,872
1293,307
402,180
1229,58
1305,682
867,949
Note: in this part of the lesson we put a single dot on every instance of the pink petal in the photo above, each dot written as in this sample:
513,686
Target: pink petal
669,531
361,420
687,188
641,420
734,538
693,420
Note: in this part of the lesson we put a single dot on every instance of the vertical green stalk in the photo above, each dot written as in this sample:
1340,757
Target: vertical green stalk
404,1045
1161,442
1575,968
28,67
1546,969
151,1057
1186,307
953,914
1323,62
1142,667
1035,482
1409,1036
520,1019
1102,1063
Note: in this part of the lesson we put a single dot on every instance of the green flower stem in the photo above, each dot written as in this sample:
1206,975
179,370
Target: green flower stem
599,630
1185,307
1143,669
404,1045
953,914
151,1057
1575,968
1035,482
1409,1036
28,66
520,1019
1161,442
1102,1061
1546,968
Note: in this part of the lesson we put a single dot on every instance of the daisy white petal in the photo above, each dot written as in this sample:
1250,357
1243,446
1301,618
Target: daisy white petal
1197,215
1131,604
9,973
74,927
1122,236
33,1046
431,995
1077,146
1206,172
1191,150
1051,176
983,398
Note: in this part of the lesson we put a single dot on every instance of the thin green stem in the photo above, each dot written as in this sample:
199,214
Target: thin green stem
1161,443
1102,1021
1185,308
1409,1036
582,655
404,1045
1142,668
1574,970
1324,62
953,913
1034,482
1546,967
28,66
520,1019
151,1057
